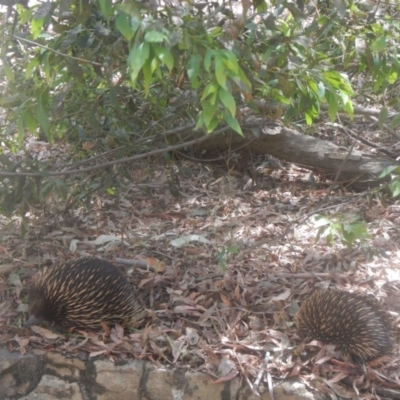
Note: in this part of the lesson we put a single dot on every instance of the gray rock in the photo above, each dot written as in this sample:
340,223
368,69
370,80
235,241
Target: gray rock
48,376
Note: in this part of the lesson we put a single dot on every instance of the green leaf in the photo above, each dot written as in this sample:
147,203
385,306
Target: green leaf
135,22
242,82
207,59
45,64
233,123
358,228
261,6
210,90
388,170
36,27
348,107
32,64
106,8
137,58
209,111
313,88
338,82
213,124
123,24
210,126
233,249
395,187
344,96
200,122
25,15
7,70
392,77
377,28
154,66
165,56
379,44
222,258
333,106
220,72
227,100
355,231
308,118
155,37
395,121
29,120
321,90
230,61
41,114
147,74
193,67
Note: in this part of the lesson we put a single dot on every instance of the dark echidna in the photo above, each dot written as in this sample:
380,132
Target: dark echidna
354,322
82,294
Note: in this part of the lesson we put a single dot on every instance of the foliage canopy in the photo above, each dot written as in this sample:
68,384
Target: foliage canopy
117,73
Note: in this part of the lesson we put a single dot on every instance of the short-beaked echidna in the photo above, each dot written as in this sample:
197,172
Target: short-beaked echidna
354,322
83,294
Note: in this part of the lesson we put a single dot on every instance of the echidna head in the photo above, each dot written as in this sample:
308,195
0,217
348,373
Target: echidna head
36,313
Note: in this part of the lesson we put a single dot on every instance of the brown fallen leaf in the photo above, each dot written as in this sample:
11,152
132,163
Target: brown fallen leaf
192,336
227,377
340,390
225,300
23,342
46,333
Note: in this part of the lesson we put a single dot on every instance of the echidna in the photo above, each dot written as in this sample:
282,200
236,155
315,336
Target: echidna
354,322
83,294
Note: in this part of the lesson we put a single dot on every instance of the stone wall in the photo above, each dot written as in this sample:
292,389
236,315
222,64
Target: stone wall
48,376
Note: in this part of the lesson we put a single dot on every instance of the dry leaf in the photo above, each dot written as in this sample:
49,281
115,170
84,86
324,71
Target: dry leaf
192,336
46,333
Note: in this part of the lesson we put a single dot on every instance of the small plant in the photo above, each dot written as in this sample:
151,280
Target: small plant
394,172
224,254
348,228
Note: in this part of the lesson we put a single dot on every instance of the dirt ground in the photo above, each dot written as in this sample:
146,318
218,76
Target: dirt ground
220,263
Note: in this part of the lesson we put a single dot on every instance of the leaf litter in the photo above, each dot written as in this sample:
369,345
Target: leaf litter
221,272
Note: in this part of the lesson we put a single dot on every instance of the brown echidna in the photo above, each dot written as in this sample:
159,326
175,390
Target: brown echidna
83,294
354,322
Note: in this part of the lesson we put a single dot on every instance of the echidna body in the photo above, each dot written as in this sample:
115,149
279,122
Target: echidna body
83,294
354,322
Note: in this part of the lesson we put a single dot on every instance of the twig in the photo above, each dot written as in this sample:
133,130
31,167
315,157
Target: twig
115,162
339,171
308,275
56,51
261,372
269,378
136,263
355,136
88,160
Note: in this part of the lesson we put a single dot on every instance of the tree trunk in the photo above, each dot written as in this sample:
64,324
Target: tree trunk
354,169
